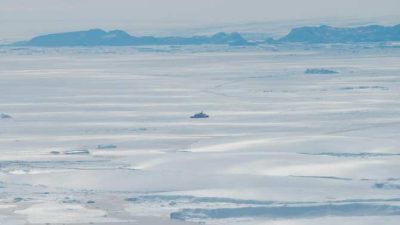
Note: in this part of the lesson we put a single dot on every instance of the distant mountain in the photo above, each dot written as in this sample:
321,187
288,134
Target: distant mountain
98,37
327,34
310,35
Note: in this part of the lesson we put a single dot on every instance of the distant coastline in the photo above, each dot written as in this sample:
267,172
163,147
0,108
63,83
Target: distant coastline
310,35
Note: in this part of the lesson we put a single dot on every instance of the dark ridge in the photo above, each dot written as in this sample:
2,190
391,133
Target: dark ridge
309,35
98,37
328,34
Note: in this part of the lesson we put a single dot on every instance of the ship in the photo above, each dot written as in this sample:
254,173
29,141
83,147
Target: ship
199,116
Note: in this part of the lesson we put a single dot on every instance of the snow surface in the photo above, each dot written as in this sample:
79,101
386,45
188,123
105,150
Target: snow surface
280,147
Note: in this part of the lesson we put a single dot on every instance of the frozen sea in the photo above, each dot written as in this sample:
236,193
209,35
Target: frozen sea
104,135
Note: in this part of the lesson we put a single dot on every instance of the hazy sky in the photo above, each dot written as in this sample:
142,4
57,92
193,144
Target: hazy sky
19,18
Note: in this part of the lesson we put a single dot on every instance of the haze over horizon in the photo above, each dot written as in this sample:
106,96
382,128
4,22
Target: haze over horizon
21,19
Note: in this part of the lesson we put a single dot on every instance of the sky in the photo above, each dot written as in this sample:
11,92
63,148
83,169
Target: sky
22,18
